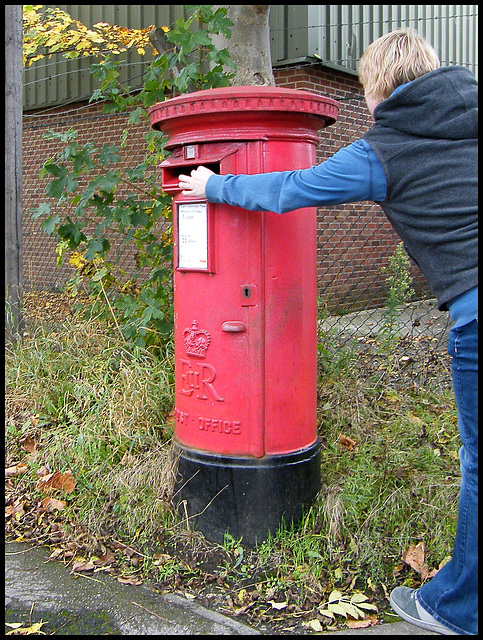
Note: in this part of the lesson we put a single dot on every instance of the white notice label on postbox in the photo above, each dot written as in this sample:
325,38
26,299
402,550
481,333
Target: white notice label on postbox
193,235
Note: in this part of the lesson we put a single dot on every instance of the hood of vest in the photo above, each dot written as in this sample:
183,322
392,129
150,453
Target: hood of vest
441,104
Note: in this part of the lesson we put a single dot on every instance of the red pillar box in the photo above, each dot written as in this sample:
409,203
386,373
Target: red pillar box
245,297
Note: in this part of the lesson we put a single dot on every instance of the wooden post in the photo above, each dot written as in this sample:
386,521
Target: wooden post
13,172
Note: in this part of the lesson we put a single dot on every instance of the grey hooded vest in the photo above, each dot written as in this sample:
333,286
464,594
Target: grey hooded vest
425,136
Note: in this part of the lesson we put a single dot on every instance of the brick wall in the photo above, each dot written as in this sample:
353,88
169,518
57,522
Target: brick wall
40,269
354,241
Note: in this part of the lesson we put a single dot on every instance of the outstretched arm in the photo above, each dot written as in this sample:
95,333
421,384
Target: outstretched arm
352,174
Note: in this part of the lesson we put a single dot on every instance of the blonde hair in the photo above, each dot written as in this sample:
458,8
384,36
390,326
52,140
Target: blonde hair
394,59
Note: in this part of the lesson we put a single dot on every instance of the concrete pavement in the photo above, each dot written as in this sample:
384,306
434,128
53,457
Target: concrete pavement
37,589
98,604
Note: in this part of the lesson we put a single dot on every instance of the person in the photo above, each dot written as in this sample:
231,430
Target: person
419,163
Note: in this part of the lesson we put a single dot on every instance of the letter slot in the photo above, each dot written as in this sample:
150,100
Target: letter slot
170,172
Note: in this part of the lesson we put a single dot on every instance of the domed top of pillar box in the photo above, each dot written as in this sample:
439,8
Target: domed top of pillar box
242,113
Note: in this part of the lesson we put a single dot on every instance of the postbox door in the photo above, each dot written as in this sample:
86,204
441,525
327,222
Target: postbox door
219,325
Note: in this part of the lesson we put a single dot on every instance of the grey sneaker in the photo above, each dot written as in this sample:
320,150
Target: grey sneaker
403,601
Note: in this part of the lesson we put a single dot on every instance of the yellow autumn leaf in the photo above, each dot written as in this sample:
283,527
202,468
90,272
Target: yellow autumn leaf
278,605
352,610
77,260
335,595
34,629
51,40
337,608
83,44
326,613
241,594
55,31
314,625
34,59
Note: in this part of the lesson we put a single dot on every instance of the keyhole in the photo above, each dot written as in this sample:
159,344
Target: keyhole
247,292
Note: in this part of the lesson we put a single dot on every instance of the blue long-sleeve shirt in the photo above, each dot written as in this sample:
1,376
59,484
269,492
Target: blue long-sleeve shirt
352,174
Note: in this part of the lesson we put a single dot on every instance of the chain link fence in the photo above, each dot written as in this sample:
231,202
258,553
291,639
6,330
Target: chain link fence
355,241
356,269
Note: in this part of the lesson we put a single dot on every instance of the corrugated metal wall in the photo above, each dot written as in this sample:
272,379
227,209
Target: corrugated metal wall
340,33
335,34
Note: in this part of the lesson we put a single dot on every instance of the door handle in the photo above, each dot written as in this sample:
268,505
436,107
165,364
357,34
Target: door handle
233,326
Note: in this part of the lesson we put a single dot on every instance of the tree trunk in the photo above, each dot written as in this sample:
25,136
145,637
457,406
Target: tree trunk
249,45
13,172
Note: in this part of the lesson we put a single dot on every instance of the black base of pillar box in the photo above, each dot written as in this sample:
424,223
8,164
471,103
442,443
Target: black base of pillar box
246,497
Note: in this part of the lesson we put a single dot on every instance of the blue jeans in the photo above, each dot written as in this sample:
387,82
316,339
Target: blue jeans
452,595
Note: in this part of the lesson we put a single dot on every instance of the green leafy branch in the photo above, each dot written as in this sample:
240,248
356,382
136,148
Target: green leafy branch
96,199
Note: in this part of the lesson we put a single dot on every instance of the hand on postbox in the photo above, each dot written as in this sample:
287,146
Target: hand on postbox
194,184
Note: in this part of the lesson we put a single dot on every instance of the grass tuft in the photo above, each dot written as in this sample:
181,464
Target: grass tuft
101,410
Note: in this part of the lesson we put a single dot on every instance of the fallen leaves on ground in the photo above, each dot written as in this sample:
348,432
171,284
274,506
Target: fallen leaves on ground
82,565
129,580
340,603
16,469
346,443
415,557
56,480
16,509
46,306
52,503
286,608
369,621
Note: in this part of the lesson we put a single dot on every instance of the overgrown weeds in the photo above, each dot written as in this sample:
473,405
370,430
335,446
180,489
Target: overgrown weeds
79,399
90,404
389,462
